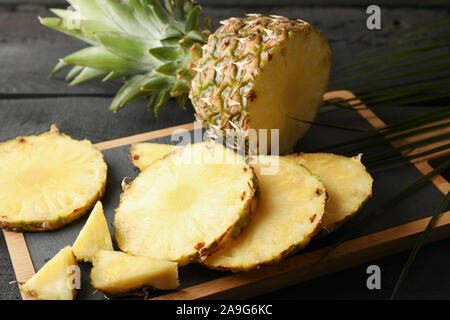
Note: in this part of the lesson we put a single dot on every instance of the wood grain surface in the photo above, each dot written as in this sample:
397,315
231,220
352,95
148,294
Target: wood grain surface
290,271
29,102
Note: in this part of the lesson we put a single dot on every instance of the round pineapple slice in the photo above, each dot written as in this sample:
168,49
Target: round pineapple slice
288,215
47,181
184,206
348,185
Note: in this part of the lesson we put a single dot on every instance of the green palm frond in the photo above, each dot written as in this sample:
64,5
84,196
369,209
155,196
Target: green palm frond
400,75
419,244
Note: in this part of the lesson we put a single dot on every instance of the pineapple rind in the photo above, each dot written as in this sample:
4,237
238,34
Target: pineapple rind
205,248
119,273
243,258
63,219
94,236
348,184
49,284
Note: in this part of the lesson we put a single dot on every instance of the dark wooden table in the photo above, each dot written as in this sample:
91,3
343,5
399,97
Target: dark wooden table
29,102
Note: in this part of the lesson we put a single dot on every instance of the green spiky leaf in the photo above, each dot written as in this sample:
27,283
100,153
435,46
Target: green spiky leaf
144,41
165,53
87,74
192,19
130,91
101,58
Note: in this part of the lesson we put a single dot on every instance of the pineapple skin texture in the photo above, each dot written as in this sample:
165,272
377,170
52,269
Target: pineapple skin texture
118,273
337,171
231,233
38,284
48,225
228,85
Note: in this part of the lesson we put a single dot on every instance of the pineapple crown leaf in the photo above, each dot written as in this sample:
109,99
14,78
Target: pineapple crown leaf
147,43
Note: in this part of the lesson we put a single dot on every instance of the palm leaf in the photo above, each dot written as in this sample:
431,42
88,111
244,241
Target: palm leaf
419,244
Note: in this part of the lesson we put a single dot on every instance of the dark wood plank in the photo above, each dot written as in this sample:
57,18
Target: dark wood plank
29,51
262,3
84,118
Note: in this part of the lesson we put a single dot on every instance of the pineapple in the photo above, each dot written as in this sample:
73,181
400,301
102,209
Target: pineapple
47,181
185,206
346,180
144,154
255,72
289,213
94,236
53,281
117,273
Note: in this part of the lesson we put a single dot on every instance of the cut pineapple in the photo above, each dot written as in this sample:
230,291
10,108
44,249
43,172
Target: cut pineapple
346,180
117,273
47,181
289,212
144,154
53,281
184,206
94,236
261,72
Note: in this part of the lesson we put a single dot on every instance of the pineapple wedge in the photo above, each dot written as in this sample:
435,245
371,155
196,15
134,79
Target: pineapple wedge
289,213
52,282
347,182
186,205
144,154
117,273
94,236
47,181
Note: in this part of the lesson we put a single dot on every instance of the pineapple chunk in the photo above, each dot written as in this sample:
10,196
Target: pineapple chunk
53,281
94,236
288,215
347,182
144,154
186,205
47,181
117,273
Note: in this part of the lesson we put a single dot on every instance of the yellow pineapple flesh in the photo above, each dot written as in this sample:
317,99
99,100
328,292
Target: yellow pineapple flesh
144,154
288,215
183,207
47,181
117,273
53,281
94,236
346,180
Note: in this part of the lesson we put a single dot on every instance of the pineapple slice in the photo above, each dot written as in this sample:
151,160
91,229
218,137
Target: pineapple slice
117,273
53,281
144,154
47,181
94,236
289,213
186,205
347,182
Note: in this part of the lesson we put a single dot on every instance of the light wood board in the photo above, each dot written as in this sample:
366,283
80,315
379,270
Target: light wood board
292,270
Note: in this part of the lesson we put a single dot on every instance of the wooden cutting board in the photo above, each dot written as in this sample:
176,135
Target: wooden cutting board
386,237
